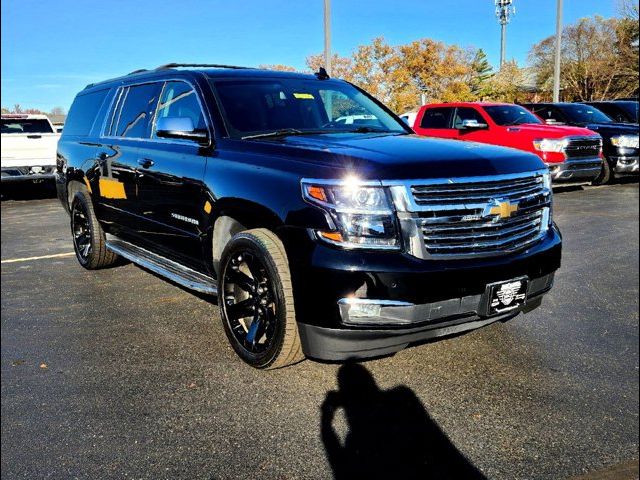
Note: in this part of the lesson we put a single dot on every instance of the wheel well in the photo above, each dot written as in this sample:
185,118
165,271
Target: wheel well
224,229
73,187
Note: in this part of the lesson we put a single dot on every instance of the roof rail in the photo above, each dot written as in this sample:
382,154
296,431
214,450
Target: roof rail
140,70
211,65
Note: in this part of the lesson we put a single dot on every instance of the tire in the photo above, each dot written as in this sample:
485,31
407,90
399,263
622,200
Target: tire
89,241
255,296
605,175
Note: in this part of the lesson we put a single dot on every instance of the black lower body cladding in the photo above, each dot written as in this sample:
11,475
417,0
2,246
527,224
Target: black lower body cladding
403,287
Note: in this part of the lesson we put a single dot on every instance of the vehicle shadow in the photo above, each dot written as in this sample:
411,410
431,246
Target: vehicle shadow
390,434
28,190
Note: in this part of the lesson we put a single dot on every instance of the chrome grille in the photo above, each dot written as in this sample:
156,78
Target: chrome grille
474,216
582,147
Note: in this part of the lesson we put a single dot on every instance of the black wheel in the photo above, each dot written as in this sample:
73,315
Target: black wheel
256,300
88,237
605,174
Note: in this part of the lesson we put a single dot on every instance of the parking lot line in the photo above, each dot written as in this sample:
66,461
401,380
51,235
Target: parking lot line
43,257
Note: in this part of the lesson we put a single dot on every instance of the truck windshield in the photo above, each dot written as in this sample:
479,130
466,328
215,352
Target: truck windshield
584,114
505,115
14,125
293,106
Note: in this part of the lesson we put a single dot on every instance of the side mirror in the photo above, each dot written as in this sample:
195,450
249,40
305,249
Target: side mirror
180,128
472,125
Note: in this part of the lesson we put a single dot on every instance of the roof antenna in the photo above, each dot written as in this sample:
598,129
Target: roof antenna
322,74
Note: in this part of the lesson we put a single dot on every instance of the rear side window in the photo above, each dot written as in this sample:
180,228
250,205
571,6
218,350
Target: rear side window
135,109
437,118
10,125
83,113
466,113
180,100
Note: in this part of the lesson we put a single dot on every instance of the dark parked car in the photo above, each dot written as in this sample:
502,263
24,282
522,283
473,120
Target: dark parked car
620,140
618,110
321,238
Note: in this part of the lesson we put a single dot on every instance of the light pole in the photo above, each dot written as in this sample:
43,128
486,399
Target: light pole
327,36
504,11
556,67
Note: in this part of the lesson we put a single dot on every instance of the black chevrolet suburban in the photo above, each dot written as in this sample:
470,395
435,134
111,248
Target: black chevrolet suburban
319,237
620,140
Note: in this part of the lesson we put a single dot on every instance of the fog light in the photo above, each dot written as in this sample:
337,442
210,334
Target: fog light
364,310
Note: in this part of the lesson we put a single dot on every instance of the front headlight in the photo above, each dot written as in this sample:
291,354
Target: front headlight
625,141
556,145
362,214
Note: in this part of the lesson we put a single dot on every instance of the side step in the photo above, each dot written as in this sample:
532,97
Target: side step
162,266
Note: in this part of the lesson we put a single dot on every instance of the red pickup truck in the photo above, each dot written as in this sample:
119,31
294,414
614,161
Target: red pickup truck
572,154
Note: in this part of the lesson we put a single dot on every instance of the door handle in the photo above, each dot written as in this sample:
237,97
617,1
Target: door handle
145,162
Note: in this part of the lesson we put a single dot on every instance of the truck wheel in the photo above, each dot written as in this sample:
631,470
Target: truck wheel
605,175
256,300
88,237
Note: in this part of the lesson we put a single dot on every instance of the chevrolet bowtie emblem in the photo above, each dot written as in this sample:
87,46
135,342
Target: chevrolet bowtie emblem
503,209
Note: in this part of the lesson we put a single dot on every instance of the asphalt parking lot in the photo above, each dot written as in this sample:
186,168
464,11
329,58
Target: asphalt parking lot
119,374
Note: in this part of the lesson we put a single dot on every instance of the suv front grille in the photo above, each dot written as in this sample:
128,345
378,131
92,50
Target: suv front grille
476,216
582,147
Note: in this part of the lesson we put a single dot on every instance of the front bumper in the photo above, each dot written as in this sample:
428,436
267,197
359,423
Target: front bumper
35,173
335,344
419,299
371,312
576,170
625,165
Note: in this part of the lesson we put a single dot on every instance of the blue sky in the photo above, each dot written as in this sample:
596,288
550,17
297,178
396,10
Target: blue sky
52,49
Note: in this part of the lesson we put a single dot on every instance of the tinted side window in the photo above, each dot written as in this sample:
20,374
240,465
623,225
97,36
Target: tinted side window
178,99
437,118
463,114
83,113
137,104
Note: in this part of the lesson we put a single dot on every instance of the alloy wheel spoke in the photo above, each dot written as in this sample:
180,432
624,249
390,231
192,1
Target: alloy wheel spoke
240,279
240,309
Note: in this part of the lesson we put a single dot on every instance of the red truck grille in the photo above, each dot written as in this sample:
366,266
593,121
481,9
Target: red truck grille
583,147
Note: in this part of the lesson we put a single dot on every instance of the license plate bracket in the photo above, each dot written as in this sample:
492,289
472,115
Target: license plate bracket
505,296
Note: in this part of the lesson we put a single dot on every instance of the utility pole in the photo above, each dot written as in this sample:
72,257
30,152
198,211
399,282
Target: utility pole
504,11
556,67
327,36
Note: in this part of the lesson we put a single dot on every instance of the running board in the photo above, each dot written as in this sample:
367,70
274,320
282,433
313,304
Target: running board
163,266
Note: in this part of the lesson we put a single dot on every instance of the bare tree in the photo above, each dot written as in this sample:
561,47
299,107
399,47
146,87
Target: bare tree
597,58
58,111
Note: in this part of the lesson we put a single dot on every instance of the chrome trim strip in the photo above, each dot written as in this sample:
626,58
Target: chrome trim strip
373,301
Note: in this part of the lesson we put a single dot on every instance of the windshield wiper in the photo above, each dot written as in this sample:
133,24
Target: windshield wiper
283,132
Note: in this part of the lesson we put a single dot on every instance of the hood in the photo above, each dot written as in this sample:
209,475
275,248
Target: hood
536,131
390,156
614,128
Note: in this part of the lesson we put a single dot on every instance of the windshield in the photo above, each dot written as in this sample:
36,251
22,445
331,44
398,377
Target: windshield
579,113
11,125
263,107
510,115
